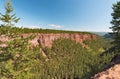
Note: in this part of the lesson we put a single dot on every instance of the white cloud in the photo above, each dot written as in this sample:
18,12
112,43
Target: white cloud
29,26
55,26
33,26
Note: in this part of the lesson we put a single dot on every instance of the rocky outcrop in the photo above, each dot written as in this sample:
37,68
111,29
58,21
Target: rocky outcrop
46,40
111,73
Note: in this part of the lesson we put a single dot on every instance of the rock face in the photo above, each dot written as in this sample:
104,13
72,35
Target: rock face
46,40
111,73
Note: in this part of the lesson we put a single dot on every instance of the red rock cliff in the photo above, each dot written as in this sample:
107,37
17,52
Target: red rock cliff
46,40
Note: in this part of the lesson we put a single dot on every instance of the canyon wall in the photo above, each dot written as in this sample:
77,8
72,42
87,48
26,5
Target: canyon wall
46,40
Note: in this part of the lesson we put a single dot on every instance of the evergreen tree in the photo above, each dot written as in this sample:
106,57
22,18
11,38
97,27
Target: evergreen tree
116,24
8,19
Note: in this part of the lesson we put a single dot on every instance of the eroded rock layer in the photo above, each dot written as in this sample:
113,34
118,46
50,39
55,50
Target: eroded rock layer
46,40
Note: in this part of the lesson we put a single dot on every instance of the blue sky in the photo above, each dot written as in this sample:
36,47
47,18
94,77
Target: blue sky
80,15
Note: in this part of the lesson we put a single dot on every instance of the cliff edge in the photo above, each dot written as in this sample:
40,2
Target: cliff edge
46,40
111,73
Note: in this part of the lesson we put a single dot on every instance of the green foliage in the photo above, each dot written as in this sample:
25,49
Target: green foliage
17,59
44,31
66,59
116,24
99,45
8,19
11,32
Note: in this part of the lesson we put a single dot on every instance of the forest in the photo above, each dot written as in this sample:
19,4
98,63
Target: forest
66,59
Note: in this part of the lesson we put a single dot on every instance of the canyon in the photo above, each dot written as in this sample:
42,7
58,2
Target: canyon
46,40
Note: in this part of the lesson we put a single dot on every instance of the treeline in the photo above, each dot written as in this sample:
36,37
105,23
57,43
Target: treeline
38,30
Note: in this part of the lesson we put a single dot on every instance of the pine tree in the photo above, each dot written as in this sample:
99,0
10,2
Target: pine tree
8,19
116,24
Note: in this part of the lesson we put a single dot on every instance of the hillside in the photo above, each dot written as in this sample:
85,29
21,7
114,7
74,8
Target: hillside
66,58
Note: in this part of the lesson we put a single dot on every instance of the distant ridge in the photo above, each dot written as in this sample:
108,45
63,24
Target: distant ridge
100,33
